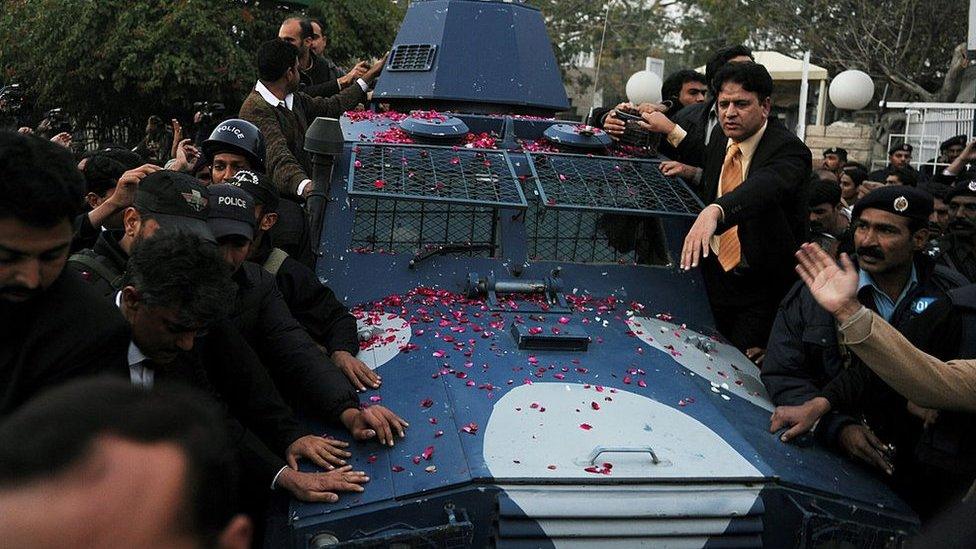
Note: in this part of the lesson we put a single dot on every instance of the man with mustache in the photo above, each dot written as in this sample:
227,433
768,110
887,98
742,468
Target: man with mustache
54,327
809,375
958,245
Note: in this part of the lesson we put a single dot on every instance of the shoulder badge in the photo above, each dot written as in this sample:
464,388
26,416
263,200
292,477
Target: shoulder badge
972,185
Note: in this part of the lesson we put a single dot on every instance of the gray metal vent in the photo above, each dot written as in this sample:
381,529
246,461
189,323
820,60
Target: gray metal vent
412,57
607,516
609,184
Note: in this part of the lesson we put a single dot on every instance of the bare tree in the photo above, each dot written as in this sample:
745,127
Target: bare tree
914,44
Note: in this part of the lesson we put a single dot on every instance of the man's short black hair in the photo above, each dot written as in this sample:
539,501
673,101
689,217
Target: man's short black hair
722,57
101,174
905,175
274,58
318,22
753,78
40,184
57,430
183,272
671,89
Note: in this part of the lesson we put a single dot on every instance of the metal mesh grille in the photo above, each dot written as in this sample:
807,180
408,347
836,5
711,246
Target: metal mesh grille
822,531
412,57
610,184
399,226
580,236
437,174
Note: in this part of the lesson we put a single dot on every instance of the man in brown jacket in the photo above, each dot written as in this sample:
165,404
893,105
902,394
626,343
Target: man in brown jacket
283,113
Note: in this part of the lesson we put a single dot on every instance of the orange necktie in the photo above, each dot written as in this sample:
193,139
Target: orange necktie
729,248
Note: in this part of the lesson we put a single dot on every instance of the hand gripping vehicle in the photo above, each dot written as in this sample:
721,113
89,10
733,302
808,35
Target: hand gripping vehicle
516,287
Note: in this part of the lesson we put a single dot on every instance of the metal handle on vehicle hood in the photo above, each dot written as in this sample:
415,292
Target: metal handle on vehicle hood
622,449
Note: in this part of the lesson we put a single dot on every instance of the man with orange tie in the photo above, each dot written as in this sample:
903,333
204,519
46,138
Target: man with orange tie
754,177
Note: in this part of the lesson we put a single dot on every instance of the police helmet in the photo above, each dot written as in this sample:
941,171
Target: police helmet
237,136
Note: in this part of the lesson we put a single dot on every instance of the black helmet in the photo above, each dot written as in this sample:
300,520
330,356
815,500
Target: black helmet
238,136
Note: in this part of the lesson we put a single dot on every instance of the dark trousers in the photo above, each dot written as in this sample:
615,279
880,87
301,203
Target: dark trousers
744,302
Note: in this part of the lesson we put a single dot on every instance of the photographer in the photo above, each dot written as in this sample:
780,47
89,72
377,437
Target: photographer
156,145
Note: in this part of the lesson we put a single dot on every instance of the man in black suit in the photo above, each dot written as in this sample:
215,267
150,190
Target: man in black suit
689,130
53,327
754,179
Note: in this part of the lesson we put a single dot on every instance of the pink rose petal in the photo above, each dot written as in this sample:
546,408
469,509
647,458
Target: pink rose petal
585,426
396,469
428,453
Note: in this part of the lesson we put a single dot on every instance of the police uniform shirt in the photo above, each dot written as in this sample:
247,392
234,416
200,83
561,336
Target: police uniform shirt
139,374
883,303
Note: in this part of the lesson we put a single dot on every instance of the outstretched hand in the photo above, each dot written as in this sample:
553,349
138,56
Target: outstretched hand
374,422
833,285
698,240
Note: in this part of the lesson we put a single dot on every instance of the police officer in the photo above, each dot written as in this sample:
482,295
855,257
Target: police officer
164,199
806,371
957,246
236,145
949,150
834,159
313,304
299,368
899,156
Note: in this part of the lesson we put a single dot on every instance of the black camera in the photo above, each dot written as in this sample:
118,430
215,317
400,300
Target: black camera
56,121
11,99
209,111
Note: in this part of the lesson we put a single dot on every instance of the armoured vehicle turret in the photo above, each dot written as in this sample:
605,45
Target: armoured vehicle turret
515,284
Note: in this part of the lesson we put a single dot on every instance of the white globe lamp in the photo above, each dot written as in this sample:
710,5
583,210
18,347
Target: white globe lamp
644,87
851,90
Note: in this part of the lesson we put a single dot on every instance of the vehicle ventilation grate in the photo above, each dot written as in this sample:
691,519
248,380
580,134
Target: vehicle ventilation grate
609,184
435,174
412,57
406,226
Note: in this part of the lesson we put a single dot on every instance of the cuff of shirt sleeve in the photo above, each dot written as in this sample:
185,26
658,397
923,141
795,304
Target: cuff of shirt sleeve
721,211
274,481
858,327
676,135
302,185
362,84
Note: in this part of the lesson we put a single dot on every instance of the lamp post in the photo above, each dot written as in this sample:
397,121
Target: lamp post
851,90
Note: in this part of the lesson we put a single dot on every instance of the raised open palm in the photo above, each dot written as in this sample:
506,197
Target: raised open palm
832,285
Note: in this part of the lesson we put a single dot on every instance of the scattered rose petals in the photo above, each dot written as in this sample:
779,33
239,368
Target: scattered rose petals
416,460
535,330
594,405
426,403
585,426
431,468
438,434
470,428
428,453
379,183
396,468
375,398
641,383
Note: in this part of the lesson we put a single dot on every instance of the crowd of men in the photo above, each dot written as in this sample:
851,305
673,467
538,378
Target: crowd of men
911,234
189,278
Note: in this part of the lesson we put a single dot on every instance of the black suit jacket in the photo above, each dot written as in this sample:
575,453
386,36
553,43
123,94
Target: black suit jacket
67,332
770,206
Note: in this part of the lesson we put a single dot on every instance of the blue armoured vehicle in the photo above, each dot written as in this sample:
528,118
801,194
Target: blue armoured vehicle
515,285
